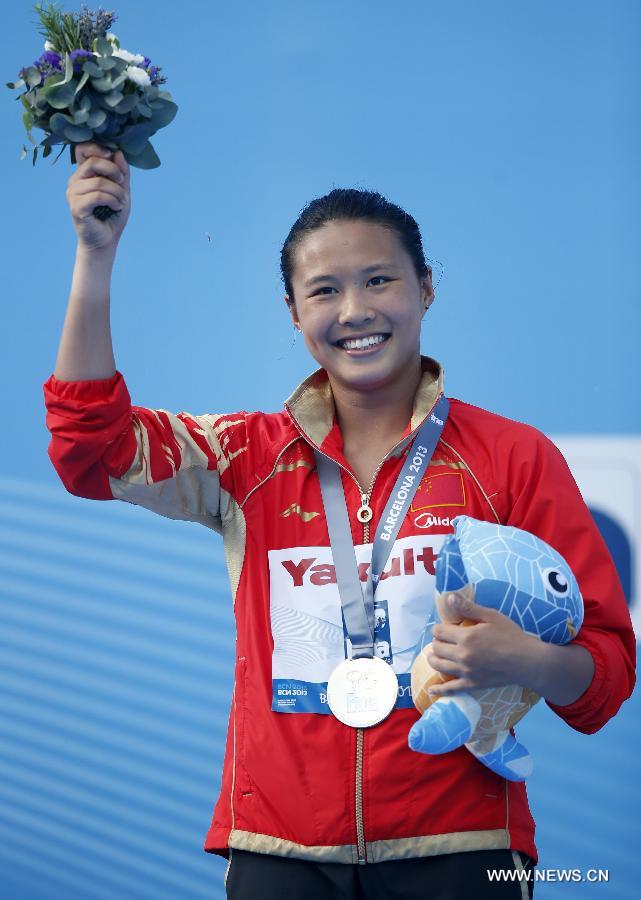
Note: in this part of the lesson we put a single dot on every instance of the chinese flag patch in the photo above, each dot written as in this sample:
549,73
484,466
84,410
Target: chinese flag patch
439,489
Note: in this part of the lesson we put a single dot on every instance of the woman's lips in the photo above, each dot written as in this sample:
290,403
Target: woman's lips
363,345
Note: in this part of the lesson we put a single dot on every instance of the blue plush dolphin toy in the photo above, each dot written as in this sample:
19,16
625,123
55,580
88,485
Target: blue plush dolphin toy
518,574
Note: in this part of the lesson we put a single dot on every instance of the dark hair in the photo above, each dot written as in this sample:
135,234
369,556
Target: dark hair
350,204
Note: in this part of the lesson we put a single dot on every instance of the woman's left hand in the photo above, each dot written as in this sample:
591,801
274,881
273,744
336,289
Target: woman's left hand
493,652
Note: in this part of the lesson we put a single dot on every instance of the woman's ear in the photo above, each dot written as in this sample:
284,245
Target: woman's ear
292,311
427,290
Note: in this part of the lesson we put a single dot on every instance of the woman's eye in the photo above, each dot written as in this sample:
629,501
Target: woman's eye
379,278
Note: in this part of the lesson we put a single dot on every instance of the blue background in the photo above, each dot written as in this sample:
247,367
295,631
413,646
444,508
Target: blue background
511,133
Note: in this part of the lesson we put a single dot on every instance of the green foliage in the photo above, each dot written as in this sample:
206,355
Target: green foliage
99,102
73,31
60,96
147,158
60,28
102,46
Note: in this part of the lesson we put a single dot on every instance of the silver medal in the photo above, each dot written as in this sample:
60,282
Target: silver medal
362,692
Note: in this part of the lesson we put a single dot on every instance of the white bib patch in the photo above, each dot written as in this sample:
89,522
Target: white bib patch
306,617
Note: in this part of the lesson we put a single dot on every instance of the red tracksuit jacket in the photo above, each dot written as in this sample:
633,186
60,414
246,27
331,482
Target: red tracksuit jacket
296,781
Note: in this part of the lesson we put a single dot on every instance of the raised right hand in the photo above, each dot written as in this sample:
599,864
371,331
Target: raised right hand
99,180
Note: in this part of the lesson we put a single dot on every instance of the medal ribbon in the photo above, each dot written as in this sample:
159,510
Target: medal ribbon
358,602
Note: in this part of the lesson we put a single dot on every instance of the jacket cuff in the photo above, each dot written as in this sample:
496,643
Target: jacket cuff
582,709
98,389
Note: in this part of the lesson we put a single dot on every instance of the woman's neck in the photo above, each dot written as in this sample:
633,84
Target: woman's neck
377,416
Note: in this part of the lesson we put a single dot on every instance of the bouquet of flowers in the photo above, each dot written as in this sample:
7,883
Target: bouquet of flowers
85,87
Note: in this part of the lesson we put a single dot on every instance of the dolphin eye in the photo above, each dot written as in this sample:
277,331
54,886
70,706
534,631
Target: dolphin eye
556,582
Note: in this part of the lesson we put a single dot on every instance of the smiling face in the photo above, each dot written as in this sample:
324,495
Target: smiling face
359,304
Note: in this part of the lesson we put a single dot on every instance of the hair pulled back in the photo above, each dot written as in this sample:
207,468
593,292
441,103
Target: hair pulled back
351,204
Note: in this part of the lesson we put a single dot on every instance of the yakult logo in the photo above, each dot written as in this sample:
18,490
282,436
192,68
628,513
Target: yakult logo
306,616
310,571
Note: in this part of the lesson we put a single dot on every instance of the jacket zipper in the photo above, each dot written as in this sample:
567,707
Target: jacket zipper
361,847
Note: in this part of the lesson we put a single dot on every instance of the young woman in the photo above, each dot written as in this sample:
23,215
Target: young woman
307,801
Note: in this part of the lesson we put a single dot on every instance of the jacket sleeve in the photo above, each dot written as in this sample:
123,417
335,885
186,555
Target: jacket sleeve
104,448
546,501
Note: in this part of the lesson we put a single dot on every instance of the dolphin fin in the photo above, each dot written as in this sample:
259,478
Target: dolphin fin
509,758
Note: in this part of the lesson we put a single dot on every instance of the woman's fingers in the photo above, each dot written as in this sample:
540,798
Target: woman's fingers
85,207
444,665
89,148
123,165
96,165
101,178
87,185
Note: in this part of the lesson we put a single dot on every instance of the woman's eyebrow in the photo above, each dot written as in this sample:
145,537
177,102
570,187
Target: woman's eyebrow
376,266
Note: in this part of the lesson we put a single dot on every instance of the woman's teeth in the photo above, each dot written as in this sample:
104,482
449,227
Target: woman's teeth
362,343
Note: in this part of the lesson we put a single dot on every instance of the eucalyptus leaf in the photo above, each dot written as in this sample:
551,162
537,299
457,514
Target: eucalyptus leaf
35,155
102,85
61,96
83,80
27,120
92,68
77,133
58,122
96,118
102,127
106,63
147,158
32,76
144,110
102,46
118,80
68,69
49,82
112,126
113,99
128,102
81,117
134,138
46,151
119,64
163,114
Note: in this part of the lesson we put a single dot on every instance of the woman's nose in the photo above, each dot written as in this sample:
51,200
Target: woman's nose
355,308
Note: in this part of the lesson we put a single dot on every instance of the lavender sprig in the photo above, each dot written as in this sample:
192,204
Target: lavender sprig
93,24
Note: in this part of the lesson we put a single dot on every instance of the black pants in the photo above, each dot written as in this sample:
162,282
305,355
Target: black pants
453,876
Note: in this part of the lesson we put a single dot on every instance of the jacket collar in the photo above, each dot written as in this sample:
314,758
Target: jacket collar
311,405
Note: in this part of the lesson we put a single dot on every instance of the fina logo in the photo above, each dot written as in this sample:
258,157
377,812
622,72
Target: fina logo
427,520
436,419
